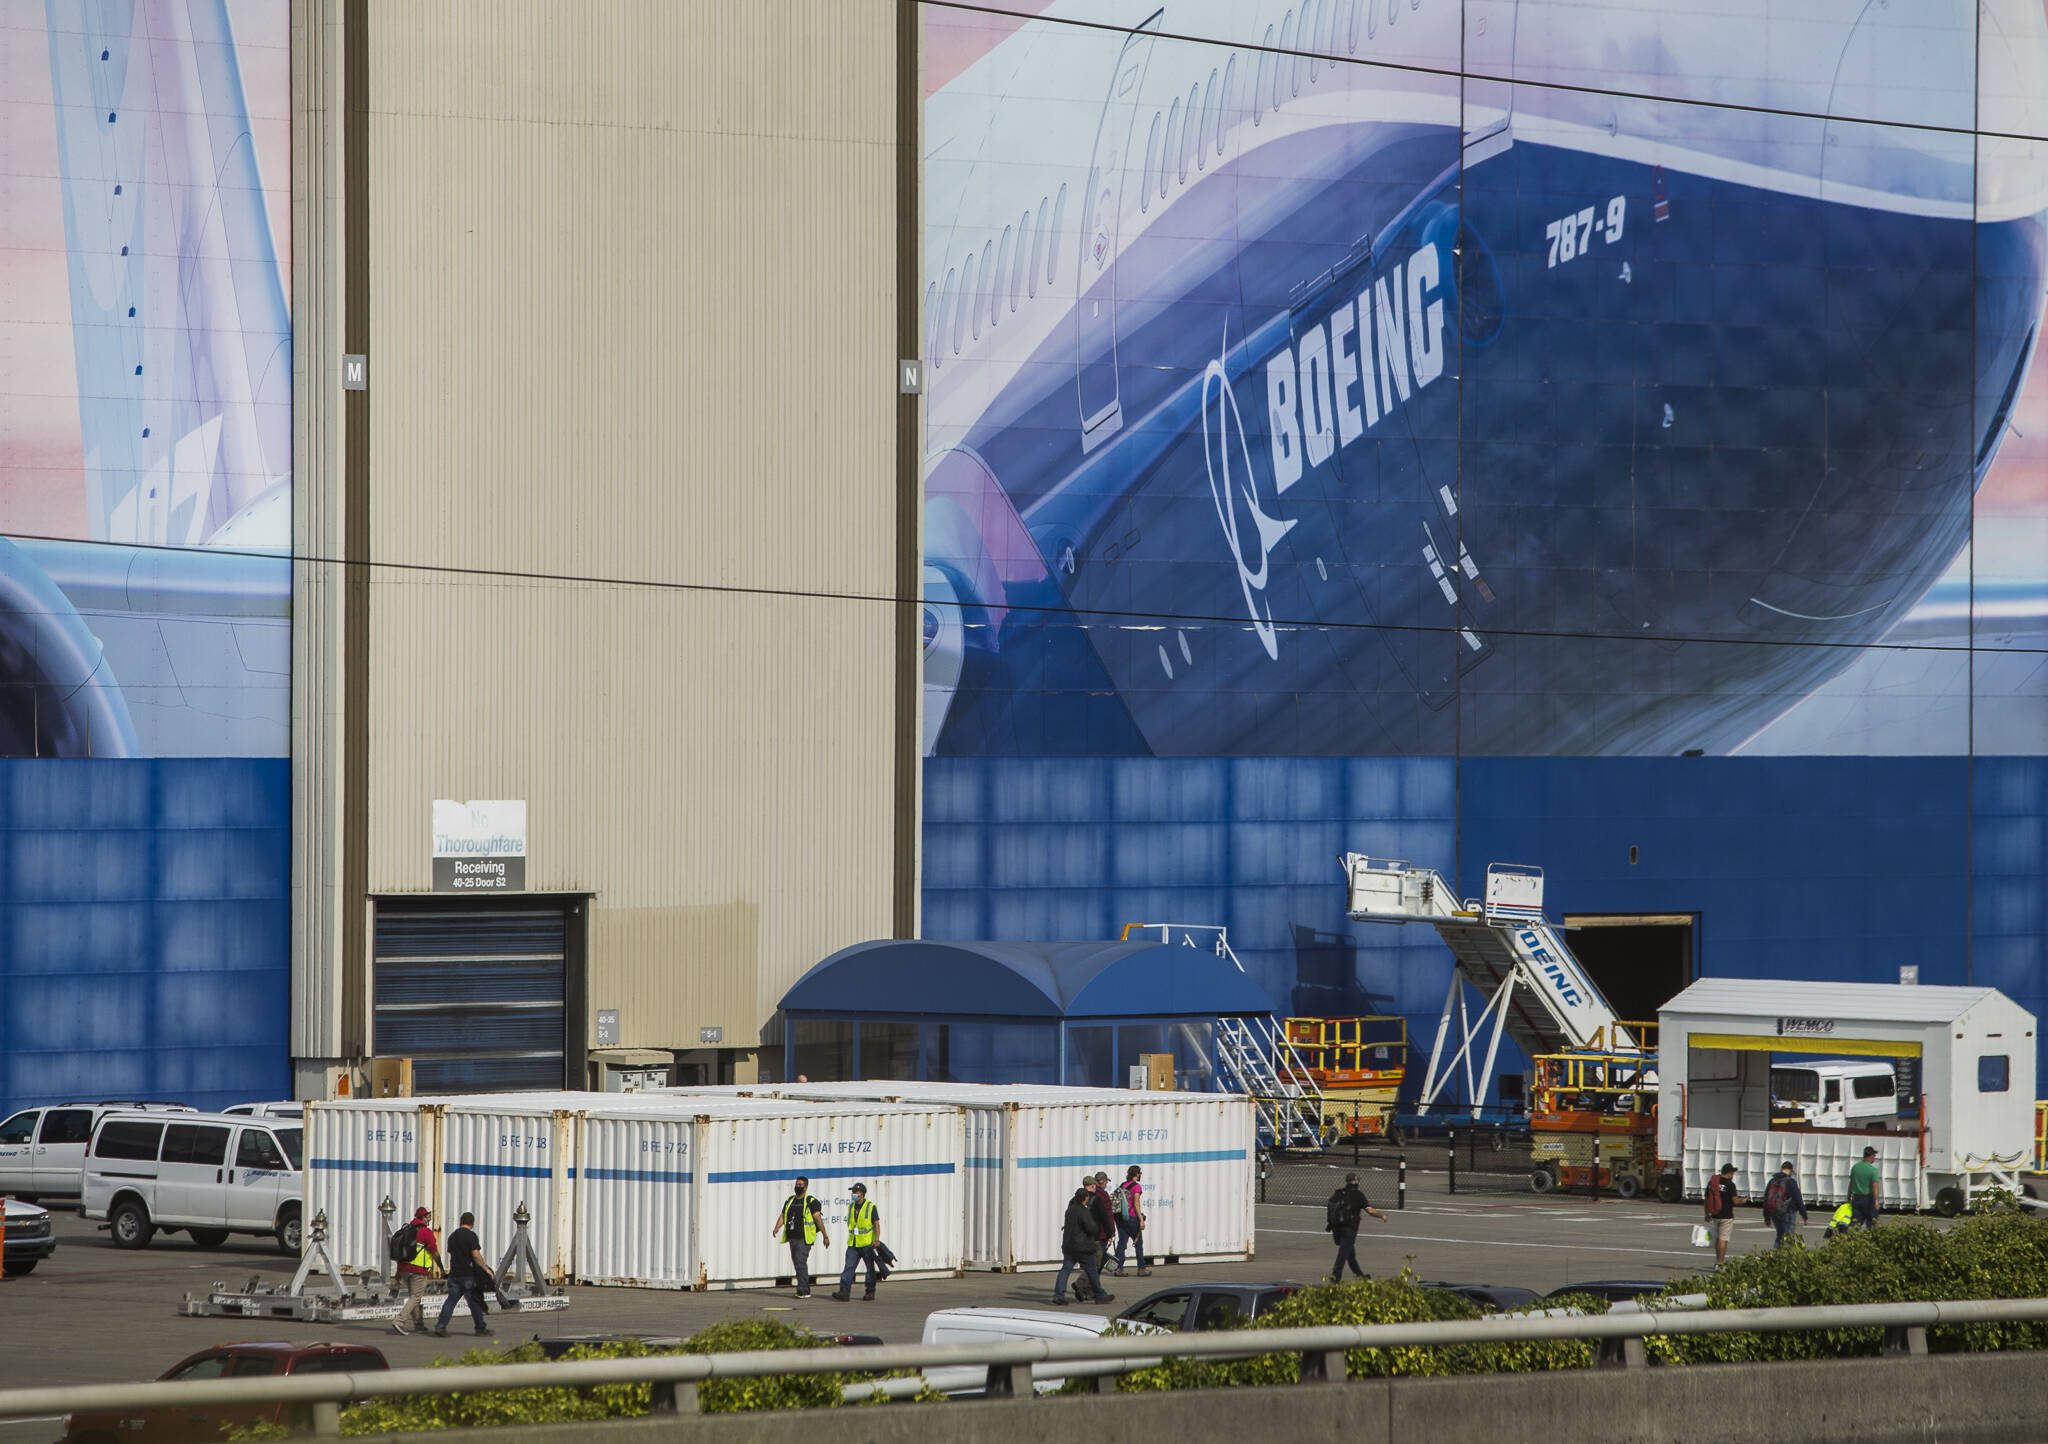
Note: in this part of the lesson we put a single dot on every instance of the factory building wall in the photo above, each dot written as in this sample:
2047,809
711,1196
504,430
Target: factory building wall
632,516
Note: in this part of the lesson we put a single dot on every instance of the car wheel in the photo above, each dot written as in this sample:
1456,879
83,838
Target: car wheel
208,1237
130,1225
290,1234
1670,1187
1949,1202
1542,1180
1628,1185
25,1266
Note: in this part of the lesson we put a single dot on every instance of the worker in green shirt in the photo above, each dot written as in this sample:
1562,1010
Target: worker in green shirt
1864,1198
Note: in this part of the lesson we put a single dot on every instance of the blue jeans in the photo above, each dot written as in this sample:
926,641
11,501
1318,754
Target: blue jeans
1129,1234
464,1286
1863,1210
854,1256
1347,1253
1067,1263
1787,1224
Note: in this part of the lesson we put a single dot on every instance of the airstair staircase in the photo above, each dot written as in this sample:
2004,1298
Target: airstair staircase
1253,1055
1535,991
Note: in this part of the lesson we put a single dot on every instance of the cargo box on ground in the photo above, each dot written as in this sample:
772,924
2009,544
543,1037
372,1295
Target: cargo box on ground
1028,1145
661,1191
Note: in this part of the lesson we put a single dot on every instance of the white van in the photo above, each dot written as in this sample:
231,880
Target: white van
210,1174
1006,1326
286,1109
1835,1092
42,1150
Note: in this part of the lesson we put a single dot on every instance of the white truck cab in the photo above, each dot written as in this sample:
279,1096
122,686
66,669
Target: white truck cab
1835,1092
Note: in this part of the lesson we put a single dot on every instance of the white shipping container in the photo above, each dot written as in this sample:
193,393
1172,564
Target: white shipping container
360,1152
494,1158
910,1156
1198,1153
635,1198
1028,1146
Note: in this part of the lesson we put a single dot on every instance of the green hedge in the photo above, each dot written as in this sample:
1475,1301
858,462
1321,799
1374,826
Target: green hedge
602,1401
1998,1254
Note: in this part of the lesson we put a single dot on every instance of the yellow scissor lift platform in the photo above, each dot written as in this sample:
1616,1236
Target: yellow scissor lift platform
1359,1064
1593,1121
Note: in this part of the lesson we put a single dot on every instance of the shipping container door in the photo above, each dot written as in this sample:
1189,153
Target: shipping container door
475,993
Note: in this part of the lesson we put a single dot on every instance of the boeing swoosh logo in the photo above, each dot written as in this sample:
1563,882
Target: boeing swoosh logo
1233,485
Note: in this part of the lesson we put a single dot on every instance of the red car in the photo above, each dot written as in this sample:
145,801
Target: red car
206,1422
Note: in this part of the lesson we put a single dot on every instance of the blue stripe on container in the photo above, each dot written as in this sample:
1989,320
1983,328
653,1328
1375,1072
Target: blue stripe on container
886,1170
984,1163
499,1170
1094,1160
630,1175
362,1165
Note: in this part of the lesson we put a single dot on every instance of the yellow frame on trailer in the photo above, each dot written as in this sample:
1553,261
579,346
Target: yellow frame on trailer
1827,1046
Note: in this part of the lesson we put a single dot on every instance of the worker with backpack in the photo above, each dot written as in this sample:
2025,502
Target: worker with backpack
1127,1207
1783,1203
1340,1217
418,1255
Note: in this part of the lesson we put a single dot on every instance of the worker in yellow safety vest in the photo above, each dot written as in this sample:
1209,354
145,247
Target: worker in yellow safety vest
863,1237
801,1223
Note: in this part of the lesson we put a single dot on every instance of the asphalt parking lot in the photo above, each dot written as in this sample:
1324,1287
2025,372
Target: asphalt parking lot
95,1313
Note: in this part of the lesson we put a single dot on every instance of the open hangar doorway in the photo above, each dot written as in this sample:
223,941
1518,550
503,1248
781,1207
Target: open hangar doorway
1639,961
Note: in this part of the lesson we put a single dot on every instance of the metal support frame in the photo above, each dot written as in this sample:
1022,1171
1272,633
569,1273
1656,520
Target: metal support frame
1438,1075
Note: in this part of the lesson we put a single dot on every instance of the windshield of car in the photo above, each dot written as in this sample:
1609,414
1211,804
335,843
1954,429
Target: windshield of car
293,1141
1164,1312
207,1366
1795,1085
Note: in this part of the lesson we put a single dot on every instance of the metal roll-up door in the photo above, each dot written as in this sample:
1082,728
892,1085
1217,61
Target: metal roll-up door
474,995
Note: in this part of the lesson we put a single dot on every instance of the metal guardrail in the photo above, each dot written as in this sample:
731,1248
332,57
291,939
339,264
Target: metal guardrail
1010,1366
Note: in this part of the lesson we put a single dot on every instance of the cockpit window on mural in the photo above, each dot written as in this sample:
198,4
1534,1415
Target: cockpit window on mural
1514,377
145,380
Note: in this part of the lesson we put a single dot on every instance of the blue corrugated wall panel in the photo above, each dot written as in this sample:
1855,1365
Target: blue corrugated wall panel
1811,867
145,932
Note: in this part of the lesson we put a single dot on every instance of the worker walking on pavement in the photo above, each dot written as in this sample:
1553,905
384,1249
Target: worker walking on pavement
1866,1200
1341,1216
421,1261
468,1277
1720,1201
801,1224
1127,1204
863,1233
1784,1204
1077,1249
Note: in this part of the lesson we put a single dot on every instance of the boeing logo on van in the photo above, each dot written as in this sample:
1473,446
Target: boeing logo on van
1551,968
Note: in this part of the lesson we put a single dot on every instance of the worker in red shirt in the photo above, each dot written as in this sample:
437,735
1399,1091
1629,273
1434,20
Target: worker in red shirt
421,1263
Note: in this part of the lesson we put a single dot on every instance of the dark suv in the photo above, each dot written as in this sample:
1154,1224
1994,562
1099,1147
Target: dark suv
208,1422
1205,1306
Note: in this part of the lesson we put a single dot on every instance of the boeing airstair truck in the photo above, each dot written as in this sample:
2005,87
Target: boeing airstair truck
1974,1125
1535,991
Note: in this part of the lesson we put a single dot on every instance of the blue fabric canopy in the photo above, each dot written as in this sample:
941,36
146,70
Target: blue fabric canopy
922,978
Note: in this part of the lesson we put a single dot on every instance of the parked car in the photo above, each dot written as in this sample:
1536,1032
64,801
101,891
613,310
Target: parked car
1615,1291
42,1150
1167,1311
281,1109
30,1238
1487,1298
1192,1307
210,1174
193,1423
